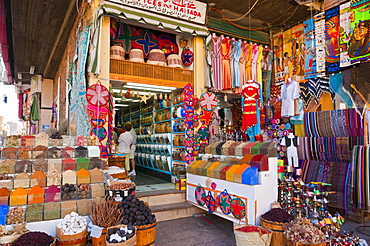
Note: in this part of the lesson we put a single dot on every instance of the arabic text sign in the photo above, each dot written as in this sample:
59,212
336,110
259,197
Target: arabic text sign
183,9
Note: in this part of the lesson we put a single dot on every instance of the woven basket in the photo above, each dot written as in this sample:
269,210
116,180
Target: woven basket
252,238
8,239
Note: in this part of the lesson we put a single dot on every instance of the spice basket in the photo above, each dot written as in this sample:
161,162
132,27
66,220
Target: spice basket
67,240
130,242
291,243
253,237
277,229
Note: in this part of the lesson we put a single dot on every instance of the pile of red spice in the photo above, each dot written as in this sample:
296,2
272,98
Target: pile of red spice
253,229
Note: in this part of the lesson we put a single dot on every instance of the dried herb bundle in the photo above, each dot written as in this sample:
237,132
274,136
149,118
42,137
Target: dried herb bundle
105,213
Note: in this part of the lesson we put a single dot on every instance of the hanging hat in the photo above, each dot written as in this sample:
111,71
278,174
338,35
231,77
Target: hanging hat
174,60
167,44
187,57
156,57
145,40
136,55
117,52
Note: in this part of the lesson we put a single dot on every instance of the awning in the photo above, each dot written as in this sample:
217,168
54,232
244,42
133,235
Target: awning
141,16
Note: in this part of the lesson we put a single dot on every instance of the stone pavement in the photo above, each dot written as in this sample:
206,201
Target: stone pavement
196,231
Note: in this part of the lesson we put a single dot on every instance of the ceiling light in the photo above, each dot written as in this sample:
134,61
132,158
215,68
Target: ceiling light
32,69
124,91
19,75
151,86
136,100
121,105
149,89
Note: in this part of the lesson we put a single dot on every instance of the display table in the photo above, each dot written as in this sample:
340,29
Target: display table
256,199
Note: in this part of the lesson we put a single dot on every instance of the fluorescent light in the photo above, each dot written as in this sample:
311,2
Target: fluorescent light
136,100
151,86
147,88
32,69
19,76
124,91
121,105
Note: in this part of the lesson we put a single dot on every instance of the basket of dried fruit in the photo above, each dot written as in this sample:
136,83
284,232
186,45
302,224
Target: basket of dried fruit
252,235
301,232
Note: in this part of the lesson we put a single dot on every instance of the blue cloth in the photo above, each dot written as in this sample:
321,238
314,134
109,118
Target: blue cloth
336,84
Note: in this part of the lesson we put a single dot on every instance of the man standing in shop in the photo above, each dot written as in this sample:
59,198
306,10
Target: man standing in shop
125,141
132,152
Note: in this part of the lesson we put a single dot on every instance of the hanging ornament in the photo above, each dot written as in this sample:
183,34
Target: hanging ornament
238,208
128,93
143,98
208,101
187,57
165,97
97,94
200,195
121,93
224,201
206,117
167,44
160,96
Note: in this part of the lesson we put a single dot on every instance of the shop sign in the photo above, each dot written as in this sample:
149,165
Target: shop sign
183,9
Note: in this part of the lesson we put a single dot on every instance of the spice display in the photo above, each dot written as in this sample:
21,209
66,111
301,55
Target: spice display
15,215
9,153
23,166
69,177
83,191
6,181
81,151
97,190
105,213
250,228
97,176
68,192
68,152
34,238
51,210
96,162
277,215
68,140
54,152
12,140
122,186
68,207
7,166
36,195
53,177
52,194
42,139
301,230
38,178
92,140
83,206
135,212
72,224
28,140
83,163
22,180
34,212
121,234
69,164
40,165
54,164
80,141
4,196
83,176
39,151
18,197
24,152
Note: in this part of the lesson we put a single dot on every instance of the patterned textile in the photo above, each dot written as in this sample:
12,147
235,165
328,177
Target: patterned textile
267,71
357,99
360,177
298,53
144,40
288,56
305,93
309,49
332,40
120,34
278,62
336,85
359,43
167,43
361,80
320,43
317,87
345,24
275,100
226,69
78,102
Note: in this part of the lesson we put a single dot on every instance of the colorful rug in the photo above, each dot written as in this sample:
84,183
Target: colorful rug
298,54
320,43
309,49
345,25
332,40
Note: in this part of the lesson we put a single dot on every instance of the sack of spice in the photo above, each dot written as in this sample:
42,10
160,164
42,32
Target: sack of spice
34,238
252,235
301,230
277,215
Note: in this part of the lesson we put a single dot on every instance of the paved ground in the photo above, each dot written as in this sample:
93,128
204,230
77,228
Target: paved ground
196,231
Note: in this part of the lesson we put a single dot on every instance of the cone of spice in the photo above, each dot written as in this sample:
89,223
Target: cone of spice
36,195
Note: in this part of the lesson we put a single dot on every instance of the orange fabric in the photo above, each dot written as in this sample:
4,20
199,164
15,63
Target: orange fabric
226,70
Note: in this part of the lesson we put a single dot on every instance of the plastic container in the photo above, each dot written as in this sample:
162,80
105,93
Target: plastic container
230,173
250,176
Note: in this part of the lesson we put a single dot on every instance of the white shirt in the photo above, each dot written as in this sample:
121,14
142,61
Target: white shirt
289,92
125,140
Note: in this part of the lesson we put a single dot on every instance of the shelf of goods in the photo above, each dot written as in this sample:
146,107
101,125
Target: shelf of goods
46,181
238,187
160,134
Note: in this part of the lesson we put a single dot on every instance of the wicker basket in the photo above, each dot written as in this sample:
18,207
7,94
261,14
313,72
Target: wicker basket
291,243
8,239
252,238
